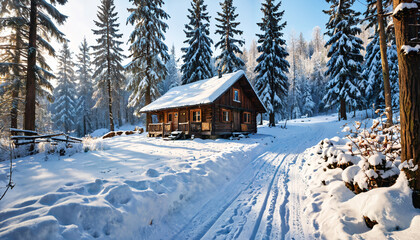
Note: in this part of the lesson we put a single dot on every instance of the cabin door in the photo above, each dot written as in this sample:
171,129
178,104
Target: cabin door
236,121
183,116
175,121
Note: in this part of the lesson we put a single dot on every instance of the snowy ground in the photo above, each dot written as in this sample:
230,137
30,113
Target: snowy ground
146,188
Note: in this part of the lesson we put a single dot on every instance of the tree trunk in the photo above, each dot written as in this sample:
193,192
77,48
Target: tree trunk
261,120
147,101
343,111
272,120
111,117
385,67
409,72
29,121
15,105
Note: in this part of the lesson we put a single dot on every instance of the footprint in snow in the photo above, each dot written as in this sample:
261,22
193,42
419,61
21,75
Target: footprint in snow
152,173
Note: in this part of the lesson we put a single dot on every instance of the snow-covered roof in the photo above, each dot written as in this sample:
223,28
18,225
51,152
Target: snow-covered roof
197,93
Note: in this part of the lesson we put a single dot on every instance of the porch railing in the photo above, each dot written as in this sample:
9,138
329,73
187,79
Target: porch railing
184,127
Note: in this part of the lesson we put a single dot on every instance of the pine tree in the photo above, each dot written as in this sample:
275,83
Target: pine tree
272,67
251,62
393,73
344,66
12,62
197,56
380,27
308,104
372,83
85,89
172,79
108,57
65,93
28,26
148,51
227,61
41,14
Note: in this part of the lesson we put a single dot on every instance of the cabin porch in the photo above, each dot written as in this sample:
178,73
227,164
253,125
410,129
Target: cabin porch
187,128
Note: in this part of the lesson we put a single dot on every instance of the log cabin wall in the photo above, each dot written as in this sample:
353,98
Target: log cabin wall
236,109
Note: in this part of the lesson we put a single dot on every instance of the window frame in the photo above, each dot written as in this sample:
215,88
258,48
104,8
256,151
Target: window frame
245,118
192,115
239,95
229,112
170,117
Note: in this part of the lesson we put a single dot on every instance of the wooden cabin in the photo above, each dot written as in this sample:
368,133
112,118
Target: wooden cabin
219,106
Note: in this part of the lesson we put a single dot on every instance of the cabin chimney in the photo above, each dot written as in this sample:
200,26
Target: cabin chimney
220,73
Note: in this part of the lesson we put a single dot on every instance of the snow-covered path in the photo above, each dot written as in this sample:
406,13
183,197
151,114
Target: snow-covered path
263,202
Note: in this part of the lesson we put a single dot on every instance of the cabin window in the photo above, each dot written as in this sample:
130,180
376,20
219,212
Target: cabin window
170,117
196,115
236,95
247,117
225,115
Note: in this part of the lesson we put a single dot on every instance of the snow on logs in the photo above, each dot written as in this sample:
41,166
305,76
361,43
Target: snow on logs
119,133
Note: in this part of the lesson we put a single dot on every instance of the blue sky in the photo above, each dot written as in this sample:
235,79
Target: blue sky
301,16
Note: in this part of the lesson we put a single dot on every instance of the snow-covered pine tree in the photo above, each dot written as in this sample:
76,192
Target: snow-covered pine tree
173,78
108,57
318,64
271,82
377,20
197,55
393,73
251,62
227,61
12,62
64,107
28,24
85,89
308,104
148,51
344,65
372,83
42,16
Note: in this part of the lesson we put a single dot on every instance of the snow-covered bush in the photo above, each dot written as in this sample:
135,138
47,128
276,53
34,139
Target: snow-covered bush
379,150
94,144
370,157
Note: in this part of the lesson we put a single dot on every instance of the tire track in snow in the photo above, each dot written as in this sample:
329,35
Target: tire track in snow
262,210
239,211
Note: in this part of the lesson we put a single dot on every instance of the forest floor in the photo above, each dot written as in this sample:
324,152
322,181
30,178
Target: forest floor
134,187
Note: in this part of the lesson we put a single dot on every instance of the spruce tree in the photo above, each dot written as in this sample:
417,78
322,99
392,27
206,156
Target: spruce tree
12,60
148,52
308,104
228,61
108,57
29,26
381,31
372,83
41,14
65,93
393,73
271,82
197,56
173,78
85,90
344,65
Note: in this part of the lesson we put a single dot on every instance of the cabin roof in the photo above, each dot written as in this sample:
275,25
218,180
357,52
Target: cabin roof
197,93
